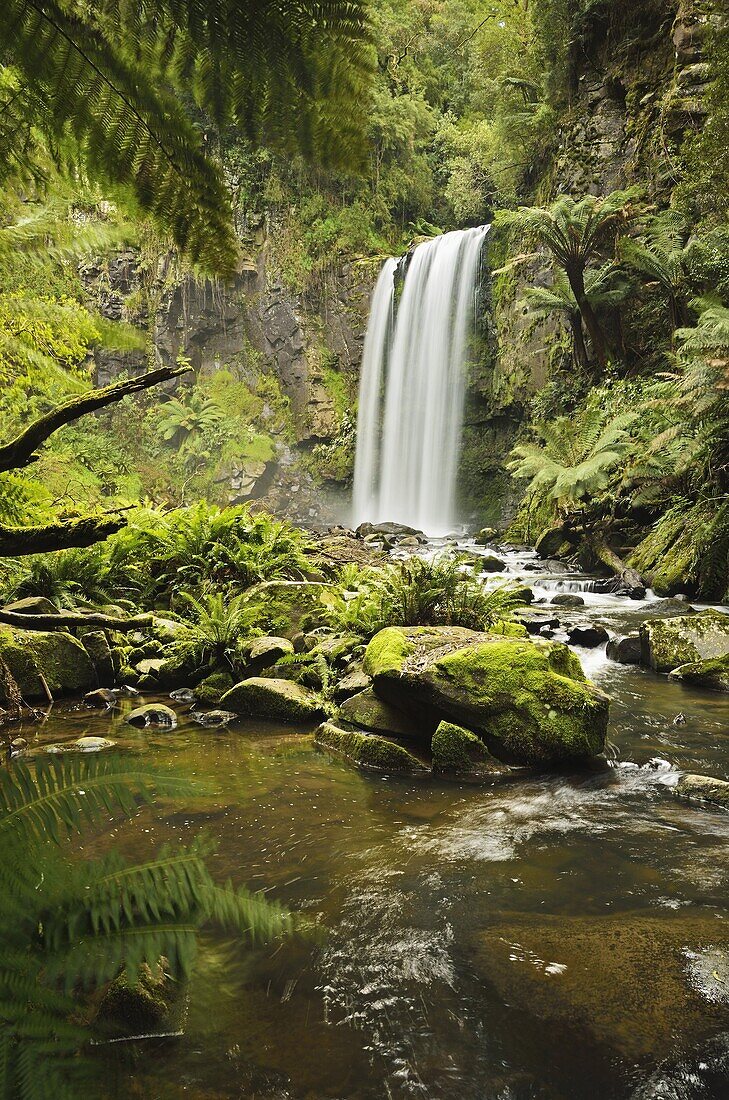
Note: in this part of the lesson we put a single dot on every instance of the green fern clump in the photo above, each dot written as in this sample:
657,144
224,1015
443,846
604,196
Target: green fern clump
72,925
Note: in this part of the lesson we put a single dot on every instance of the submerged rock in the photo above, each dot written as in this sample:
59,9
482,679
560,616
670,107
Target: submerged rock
137,1008
528,700
704,788
213,718
712,674
685,639
92,744
278,699
624,650
368,750
152,714
100,698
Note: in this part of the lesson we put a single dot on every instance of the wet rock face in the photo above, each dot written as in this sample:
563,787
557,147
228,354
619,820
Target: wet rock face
42,662
626,651
704,788
528,701
685,639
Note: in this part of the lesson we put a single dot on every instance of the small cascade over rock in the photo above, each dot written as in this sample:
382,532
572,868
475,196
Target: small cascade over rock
413,383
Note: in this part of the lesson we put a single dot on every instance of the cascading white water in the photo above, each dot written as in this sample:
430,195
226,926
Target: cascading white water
409,436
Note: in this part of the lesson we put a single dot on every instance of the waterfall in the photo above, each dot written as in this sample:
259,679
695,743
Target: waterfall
413,383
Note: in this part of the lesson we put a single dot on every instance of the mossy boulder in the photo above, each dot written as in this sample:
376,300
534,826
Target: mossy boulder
528,700
291,602
97,646
263,652
704,788
712,674
280,700
684,640
32,605
367,750
371,713
34,656
457,751
213,687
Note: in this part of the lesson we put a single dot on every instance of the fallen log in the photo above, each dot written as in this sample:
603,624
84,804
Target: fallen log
627,580
65,619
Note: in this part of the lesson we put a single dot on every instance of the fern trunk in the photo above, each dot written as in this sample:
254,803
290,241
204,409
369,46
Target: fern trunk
576,277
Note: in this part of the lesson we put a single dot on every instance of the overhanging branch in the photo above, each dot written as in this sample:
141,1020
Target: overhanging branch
20,451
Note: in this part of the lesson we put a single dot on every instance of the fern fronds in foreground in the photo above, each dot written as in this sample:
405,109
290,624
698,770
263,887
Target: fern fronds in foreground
69,924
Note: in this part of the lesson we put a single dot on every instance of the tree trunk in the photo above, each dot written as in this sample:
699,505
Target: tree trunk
578,341
18,541
576,277
627,580
66,619
20,451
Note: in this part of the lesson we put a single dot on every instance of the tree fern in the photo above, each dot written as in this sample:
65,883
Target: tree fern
577,457
74,924
291,71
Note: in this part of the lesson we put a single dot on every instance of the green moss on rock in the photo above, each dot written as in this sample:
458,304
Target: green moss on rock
58,658
458,751
276,699
368,750
684,640
371,713
712,674
529,701
213,687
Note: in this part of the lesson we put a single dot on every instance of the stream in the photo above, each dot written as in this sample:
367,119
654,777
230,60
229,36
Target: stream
557,938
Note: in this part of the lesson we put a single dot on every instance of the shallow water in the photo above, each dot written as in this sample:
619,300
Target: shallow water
561,938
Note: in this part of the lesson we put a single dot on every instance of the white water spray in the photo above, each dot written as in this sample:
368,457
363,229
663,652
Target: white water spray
409,436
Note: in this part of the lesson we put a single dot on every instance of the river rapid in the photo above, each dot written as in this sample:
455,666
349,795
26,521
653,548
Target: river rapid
557,938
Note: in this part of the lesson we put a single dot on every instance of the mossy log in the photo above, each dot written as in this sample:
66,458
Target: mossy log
20,451
16,542
64,619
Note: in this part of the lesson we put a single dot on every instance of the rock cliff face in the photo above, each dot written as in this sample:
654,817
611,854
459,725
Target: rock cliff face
637,89
310,345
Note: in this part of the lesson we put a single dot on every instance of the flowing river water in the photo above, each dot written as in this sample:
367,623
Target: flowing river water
558,938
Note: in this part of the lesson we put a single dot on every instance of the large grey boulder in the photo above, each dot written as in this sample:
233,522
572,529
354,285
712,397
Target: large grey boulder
684,639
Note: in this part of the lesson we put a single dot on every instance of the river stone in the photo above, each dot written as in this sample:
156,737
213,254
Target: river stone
371,713
93,744
685,639
528,700
32,605
567,599
704,788
368,750
485,536
624,650
491,564
272,698
351,684
626,979
150,666
712,674
103,698
263,652
213,718
58,658
457,751
152,714
587,634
